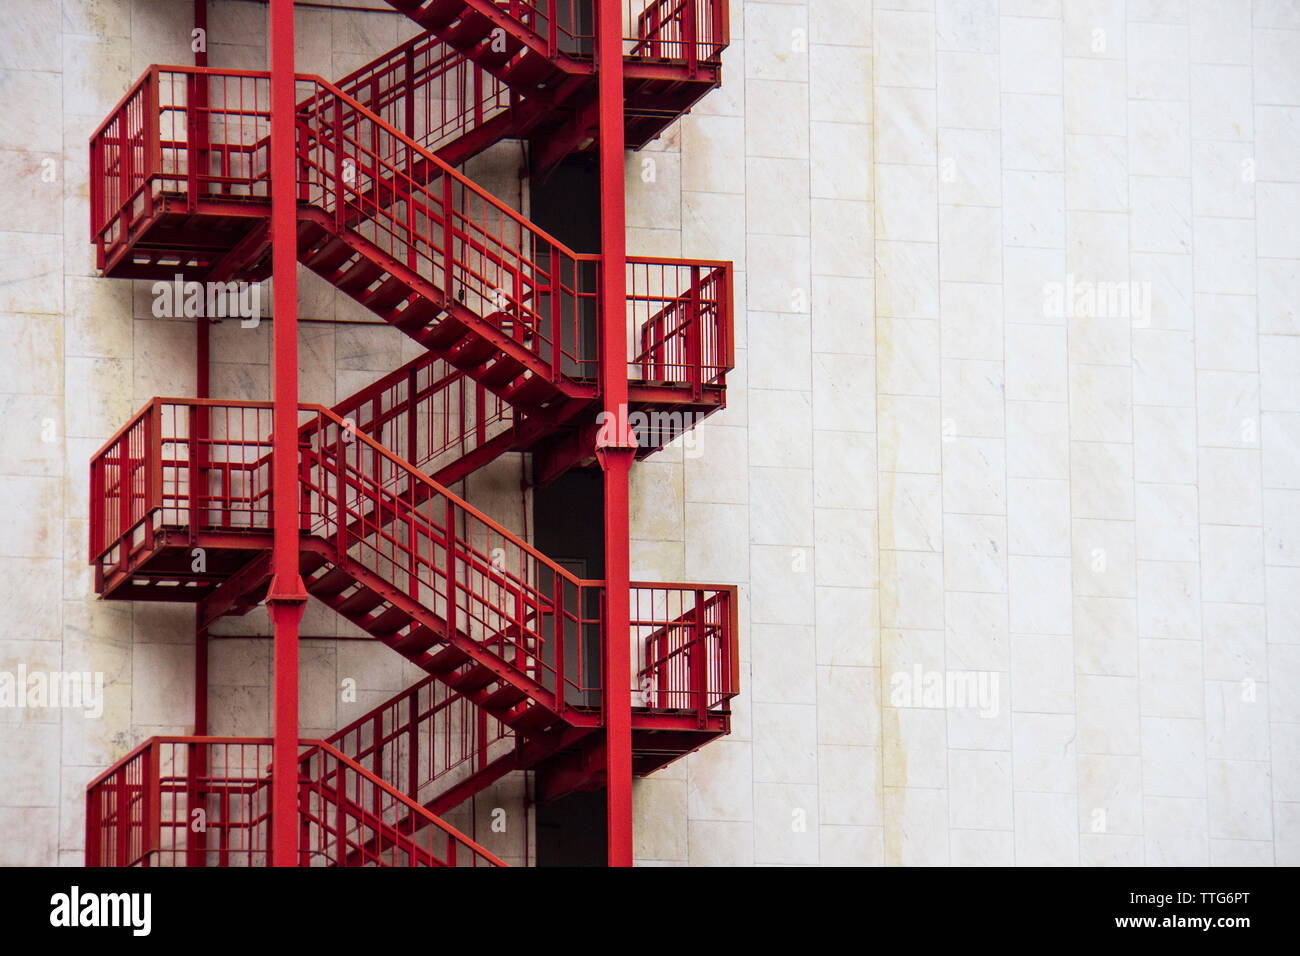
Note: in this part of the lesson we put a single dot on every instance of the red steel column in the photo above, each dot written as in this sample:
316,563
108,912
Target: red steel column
615,459
202,390
287,596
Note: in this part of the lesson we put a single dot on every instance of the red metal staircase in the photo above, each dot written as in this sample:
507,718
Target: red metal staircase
505,312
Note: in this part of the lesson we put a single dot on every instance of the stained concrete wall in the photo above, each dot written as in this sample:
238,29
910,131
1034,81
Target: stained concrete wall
82,354
929,467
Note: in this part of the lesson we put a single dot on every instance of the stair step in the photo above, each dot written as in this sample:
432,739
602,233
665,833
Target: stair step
529,391
504,369
360,604
533,720
417,314
359,275
418,640
439,13
466,34
309,562
471,351
389,622
500,701
330,256
309,234
442,335
491,59
333,582
528,71
387,295
476,678
444,660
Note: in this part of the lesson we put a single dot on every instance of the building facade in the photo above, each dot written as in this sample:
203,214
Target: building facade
1008,477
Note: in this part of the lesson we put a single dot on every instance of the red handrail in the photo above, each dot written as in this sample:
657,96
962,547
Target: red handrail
430,91
211,470
424,735
685,30
689,648
142,810
532,294
428,412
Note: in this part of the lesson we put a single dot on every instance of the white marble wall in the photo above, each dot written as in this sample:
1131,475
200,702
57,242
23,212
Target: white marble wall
82,354
929,468
923,466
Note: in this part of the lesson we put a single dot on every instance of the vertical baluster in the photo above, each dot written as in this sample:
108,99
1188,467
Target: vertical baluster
338,162
123,808
448,237
449,537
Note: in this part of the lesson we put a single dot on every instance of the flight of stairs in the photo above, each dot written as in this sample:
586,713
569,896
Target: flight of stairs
499,307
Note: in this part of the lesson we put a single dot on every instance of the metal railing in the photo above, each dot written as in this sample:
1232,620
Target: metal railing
428,413
680,311
687,653
205,801
475,576
430,91
425,740
690,31
203,466
199,135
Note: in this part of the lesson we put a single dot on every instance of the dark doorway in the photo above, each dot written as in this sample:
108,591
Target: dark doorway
567,518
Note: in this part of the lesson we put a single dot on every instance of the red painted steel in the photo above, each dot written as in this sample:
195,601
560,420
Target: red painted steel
527,663
151,809
394,523
615,449
685,30
286,599
505,281
433,415
425,740
432,92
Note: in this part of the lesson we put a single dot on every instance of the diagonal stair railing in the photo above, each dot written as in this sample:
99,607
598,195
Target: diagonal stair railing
199,470
205,801
433,254
179,173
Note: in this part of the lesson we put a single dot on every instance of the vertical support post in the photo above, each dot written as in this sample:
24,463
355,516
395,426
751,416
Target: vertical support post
688,38
122,805
559,625
196,764
149,805
287,596
94,824
700,660
615,452
450,546
694,335
200,675
412,745
193,120
448,239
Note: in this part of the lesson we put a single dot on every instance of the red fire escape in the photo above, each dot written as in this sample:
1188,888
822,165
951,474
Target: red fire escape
197,173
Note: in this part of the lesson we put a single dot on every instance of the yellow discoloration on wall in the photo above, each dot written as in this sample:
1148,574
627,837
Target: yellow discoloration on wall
893,755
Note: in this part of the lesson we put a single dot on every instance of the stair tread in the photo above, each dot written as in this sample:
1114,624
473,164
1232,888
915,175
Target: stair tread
359,275
476,678
468,31
387,294
505,369
360,603
439,13
331,583
471,351
501,700
388,621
